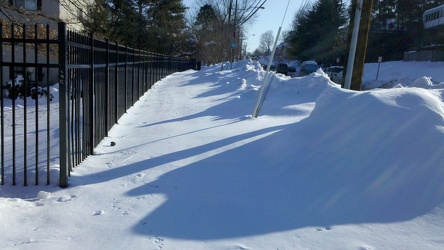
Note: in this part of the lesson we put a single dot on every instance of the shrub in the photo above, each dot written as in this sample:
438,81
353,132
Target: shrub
22,90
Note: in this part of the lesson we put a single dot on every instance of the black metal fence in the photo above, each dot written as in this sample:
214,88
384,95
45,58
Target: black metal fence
97,82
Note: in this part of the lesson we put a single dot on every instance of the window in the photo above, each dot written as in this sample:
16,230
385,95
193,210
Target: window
27,4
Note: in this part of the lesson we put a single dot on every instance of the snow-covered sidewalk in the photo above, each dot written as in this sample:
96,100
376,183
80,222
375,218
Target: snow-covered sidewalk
321,168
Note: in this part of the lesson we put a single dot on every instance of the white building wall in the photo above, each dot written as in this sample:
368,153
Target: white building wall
52,12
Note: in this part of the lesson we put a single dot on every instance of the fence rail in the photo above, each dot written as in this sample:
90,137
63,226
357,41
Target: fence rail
97,80
425,55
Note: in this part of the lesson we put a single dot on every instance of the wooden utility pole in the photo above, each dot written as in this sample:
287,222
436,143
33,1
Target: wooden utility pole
361,47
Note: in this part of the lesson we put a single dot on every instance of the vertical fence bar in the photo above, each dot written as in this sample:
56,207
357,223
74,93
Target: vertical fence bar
74,99
2,106
71,102
144,73
116,92
48,109
138,73
25,104
133,77
36,125
153,69
76,94
83,100
64,154
131,80
13,109
107,99
126,78
91,96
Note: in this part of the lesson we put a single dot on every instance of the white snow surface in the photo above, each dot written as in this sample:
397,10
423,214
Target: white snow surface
320,168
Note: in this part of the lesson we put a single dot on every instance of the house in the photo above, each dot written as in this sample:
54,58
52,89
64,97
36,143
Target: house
42,13
45,11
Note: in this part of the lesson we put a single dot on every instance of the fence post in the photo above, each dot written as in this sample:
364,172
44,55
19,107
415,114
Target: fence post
126,78
116,84
25,104
92,106
2,116
48,151
107,109
63,112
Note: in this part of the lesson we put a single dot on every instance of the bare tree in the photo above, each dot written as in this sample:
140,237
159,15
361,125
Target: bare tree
266,42
230,18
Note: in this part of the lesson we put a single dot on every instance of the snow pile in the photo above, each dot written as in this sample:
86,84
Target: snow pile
384,150
399,73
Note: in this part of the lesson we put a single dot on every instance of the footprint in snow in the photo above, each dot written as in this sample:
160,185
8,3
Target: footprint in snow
239,247
66,198
140,175
99,212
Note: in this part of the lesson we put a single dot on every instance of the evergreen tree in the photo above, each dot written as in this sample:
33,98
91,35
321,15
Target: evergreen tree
397,27
166,25
155,25
317,32
210,36
206,18
383,14
96,21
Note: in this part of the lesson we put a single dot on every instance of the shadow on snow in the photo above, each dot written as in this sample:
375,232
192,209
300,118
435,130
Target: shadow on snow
270,185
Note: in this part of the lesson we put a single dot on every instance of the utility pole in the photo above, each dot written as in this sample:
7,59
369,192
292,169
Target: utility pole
361,46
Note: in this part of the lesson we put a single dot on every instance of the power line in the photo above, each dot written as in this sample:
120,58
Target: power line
253,11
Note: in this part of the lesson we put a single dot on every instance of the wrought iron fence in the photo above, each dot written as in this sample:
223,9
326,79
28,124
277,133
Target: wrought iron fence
97,82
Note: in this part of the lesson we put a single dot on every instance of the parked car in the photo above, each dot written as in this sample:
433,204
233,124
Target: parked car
308,67
282,68
333,73
273,67
338,78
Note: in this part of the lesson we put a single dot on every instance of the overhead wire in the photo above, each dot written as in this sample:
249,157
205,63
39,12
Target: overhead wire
253,11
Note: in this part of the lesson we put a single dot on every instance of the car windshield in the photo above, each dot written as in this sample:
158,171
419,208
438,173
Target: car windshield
311,67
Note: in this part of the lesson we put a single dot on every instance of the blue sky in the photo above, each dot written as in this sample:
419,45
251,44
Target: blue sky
269,18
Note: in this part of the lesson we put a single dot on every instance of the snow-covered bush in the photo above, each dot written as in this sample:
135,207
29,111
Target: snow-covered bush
20,90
